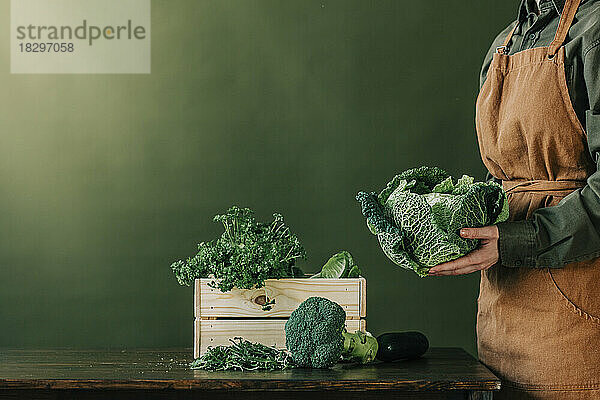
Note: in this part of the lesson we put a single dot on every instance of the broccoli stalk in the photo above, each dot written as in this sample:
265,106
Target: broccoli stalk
316,337
359,347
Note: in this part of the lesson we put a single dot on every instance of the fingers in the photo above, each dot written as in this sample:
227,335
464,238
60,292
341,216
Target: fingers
455,265
482,258
461,271
486,232
467,270
472,262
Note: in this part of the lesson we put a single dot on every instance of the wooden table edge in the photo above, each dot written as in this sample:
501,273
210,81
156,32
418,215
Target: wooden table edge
243,385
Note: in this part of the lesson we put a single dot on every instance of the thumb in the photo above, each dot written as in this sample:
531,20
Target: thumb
486,232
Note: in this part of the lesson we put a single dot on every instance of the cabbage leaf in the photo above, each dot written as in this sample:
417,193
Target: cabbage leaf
340,265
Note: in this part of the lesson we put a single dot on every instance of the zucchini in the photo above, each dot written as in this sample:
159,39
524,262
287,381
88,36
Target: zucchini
401,346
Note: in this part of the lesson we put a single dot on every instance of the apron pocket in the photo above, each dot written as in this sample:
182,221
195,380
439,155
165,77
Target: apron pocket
578,285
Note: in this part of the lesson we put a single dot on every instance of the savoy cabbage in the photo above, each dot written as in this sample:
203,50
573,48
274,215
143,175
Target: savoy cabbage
418,215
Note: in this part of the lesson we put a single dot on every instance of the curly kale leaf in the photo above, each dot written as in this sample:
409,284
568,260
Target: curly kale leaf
247,253
418,215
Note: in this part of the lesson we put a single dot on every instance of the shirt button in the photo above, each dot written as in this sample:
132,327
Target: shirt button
518,263
532,36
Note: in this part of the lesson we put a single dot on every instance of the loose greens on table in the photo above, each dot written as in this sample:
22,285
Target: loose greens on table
242,355
247,253
418,215
340,265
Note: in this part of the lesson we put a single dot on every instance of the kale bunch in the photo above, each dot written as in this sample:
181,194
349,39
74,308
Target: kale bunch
247,253
418,215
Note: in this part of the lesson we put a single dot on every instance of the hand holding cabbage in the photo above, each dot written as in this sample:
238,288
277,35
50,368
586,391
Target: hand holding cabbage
417,217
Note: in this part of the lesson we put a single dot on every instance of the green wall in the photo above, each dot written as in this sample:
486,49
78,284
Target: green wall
288,106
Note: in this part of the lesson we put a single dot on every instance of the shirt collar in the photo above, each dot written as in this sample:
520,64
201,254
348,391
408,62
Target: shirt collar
526,7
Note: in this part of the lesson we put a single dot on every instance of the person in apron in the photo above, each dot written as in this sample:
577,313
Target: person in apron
538,321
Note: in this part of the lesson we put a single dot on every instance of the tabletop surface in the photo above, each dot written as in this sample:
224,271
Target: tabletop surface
439,369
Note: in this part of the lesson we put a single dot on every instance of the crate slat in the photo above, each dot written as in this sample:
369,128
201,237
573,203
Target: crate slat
288,294
269,332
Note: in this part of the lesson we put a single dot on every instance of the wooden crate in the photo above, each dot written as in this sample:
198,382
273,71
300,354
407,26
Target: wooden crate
220,316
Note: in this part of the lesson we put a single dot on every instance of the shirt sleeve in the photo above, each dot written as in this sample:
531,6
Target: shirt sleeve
569,231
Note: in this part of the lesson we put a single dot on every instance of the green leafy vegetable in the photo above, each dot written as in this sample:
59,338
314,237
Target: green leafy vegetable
418,215
340,265
247,253
242,355
316,337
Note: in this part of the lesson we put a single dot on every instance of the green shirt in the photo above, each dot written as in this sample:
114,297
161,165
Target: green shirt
569,231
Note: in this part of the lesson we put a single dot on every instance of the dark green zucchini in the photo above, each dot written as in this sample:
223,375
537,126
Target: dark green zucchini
401,346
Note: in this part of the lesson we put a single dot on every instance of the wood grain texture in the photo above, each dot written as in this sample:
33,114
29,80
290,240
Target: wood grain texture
363,298
270,332
288,294
440,370
224,395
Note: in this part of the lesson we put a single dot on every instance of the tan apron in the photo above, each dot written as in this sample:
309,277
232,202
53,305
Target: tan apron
538,328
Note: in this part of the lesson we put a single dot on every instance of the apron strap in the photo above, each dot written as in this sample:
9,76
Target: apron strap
566,19
503,49
547,187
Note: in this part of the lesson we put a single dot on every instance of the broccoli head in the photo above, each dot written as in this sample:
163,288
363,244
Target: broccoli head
316,337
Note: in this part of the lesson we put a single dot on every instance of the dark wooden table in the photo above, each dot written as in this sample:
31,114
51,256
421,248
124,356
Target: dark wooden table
443,373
